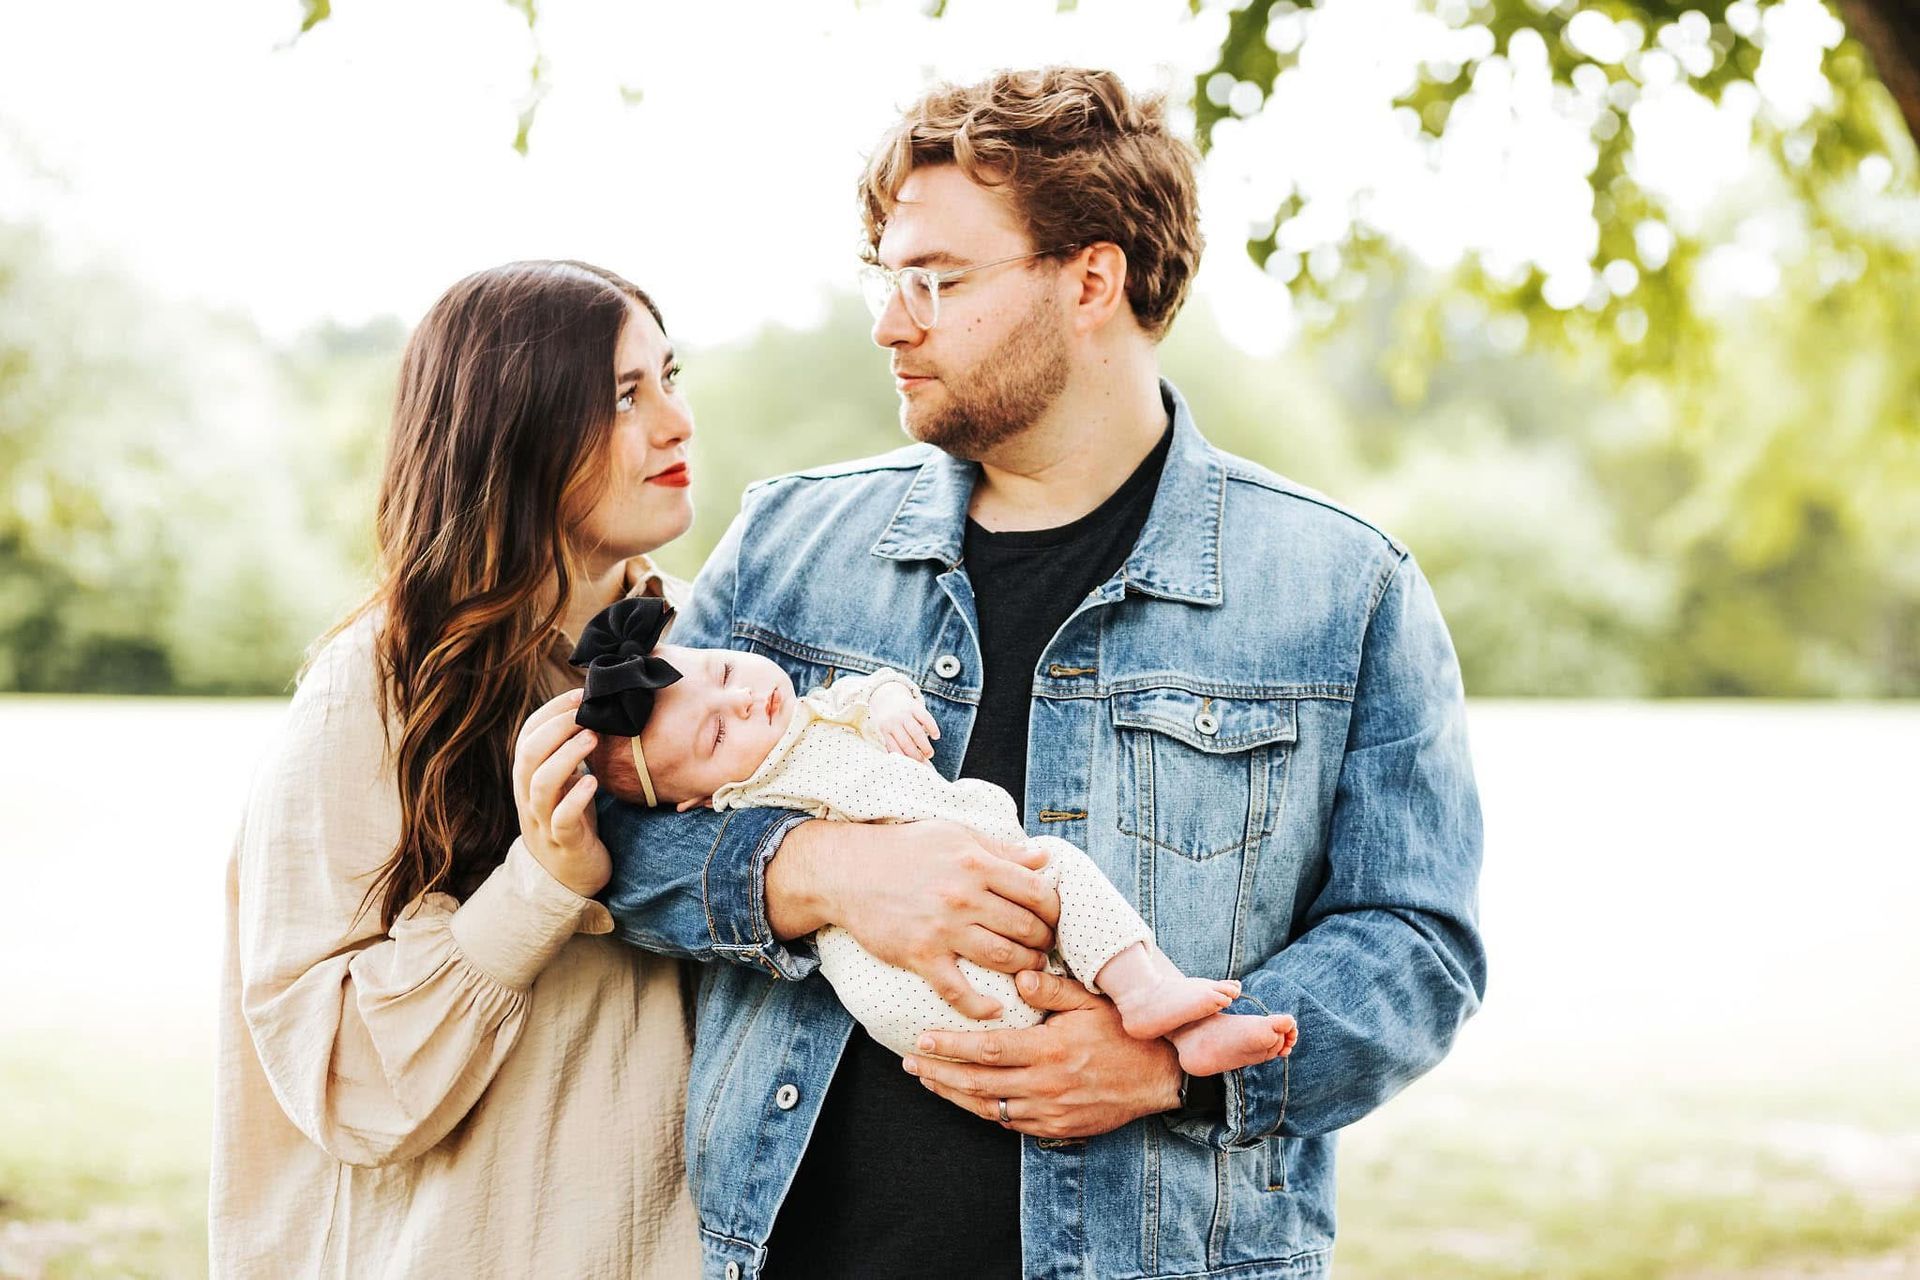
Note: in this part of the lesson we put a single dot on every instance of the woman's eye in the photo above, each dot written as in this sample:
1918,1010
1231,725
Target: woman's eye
625,403
672,377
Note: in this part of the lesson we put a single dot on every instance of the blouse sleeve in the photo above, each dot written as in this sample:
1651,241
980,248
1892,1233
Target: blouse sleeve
376,1044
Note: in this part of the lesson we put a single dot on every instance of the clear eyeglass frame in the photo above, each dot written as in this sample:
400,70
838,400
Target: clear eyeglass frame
919,287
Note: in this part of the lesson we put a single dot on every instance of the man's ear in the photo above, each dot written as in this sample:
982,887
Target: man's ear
1101,269
695,803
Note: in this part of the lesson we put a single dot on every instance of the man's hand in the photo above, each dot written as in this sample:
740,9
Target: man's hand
1075,1075
901,721
917,895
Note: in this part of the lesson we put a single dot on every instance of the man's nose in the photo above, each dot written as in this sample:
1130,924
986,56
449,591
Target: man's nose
895,328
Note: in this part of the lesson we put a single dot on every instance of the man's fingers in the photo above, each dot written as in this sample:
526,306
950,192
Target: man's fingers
978,1082
1054,992
954,988
1025,853
991,951
997,915
985,1048
1025,888
985,1108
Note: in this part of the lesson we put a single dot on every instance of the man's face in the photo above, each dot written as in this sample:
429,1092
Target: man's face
716,723
998,356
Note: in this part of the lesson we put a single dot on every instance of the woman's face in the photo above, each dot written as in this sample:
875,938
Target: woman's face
644,496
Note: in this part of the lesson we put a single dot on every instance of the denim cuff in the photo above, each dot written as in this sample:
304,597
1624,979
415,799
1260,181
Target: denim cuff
734,884
1256,1103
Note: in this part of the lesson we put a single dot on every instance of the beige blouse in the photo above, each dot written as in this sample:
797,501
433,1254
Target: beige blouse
492,1088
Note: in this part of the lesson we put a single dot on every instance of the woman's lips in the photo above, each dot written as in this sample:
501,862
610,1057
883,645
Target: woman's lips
674,477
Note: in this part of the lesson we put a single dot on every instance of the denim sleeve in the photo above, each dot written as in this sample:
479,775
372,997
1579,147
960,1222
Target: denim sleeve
1389,962
694,884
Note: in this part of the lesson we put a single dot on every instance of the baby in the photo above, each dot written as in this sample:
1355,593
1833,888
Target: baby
717,727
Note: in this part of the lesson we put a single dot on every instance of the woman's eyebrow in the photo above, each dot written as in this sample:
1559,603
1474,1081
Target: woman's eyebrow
635,375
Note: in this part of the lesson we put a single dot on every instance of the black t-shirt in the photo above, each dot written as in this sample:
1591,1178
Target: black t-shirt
897,1180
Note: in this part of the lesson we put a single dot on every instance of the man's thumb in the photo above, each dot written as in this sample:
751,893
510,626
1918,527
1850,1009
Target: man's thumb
1051,991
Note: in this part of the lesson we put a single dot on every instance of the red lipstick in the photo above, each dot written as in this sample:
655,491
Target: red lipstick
674,477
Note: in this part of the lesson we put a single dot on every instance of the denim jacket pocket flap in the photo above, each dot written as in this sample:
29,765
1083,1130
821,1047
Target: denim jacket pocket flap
1207,722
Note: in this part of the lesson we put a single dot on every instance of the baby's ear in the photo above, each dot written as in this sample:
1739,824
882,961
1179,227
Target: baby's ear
696,803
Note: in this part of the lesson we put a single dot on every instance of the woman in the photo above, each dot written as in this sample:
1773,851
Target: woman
433,1061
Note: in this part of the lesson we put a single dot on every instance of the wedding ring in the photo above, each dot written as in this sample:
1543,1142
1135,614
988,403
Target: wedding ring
1004,1117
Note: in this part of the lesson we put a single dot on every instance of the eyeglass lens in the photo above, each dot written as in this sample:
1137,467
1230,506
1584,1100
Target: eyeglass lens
916,293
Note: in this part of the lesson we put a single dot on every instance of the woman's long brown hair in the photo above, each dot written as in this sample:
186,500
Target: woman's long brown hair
500,433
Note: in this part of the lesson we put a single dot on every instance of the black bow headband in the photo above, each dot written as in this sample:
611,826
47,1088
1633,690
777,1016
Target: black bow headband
616,648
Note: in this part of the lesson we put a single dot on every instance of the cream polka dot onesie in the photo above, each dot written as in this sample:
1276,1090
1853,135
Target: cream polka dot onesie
830,764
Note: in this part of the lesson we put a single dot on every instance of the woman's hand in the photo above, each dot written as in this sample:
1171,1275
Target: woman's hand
555,806
918,895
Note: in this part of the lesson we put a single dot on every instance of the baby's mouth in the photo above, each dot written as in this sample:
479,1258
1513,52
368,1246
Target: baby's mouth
773,702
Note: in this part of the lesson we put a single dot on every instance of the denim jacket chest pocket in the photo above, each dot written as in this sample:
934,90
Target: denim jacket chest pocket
1201,773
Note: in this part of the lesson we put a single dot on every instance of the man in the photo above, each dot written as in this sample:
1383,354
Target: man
1238,698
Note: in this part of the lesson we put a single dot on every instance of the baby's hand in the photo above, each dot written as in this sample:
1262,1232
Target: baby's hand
902,721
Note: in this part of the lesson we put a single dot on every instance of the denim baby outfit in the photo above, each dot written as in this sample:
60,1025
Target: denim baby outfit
1255,729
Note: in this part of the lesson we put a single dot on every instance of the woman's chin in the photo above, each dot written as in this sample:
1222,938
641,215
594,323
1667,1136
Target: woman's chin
654,533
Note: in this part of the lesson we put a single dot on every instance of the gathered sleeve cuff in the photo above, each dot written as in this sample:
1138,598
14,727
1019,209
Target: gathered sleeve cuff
519,919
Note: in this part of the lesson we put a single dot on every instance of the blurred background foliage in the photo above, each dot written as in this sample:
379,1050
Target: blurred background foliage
1640,486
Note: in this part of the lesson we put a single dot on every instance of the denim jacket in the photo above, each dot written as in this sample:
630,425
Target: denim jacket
1255,728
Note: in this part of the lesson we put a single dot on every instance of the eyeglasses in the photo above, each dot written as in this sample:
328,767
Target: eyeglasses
919,288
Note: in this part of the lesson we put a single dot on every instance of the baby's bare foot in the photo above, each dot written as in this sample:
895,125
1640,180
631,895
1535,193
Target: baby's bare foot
1173,1002
1227,1041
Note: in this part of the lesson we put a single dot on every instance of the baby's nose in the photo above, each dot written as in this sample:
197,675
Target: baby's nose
748,701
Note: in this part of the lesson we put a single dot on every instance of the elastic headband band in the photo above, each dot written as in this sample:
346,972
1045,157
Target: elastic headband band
640,767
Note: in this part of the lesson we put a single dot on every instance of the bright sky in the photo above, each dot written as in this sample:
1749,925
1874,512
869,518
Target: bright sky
363,168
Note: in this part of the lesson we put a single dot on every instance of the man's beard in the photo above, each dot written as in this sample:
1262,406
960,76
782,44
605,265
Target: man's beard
1010,386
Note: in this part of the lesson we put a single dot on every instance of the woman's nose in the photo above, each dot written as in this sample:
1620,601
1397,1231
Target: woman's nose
674,424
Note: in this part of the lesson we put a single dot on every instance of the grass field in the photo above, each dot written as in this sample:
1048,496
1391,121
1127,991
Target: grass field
1697,1060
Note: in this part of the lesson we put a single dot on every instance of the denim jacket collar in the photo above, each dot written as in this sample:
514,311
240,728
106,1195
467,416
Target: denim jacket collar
1177,556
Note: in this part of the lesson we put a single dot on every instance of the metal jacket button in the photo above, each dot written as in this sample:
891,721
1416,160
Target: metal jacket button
1207,723
785,1097
946,666
733,1271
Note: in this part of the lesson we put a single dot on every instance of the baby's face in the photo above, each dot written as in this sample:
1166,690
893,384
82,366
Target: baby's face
716,723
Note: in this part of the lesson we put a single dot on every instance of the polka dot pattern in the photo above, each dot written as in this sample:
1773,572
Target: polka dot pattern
826,765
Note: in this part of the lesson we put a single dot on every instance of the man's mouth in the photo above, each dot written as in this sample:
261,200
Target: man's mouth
674,477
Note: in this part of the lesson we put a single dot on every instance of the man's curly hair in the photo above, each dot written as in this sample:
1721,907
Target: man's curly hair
1081,159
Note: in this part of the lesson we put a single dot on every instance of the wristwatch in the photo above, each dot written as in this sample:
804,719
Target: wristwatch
1203,1096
